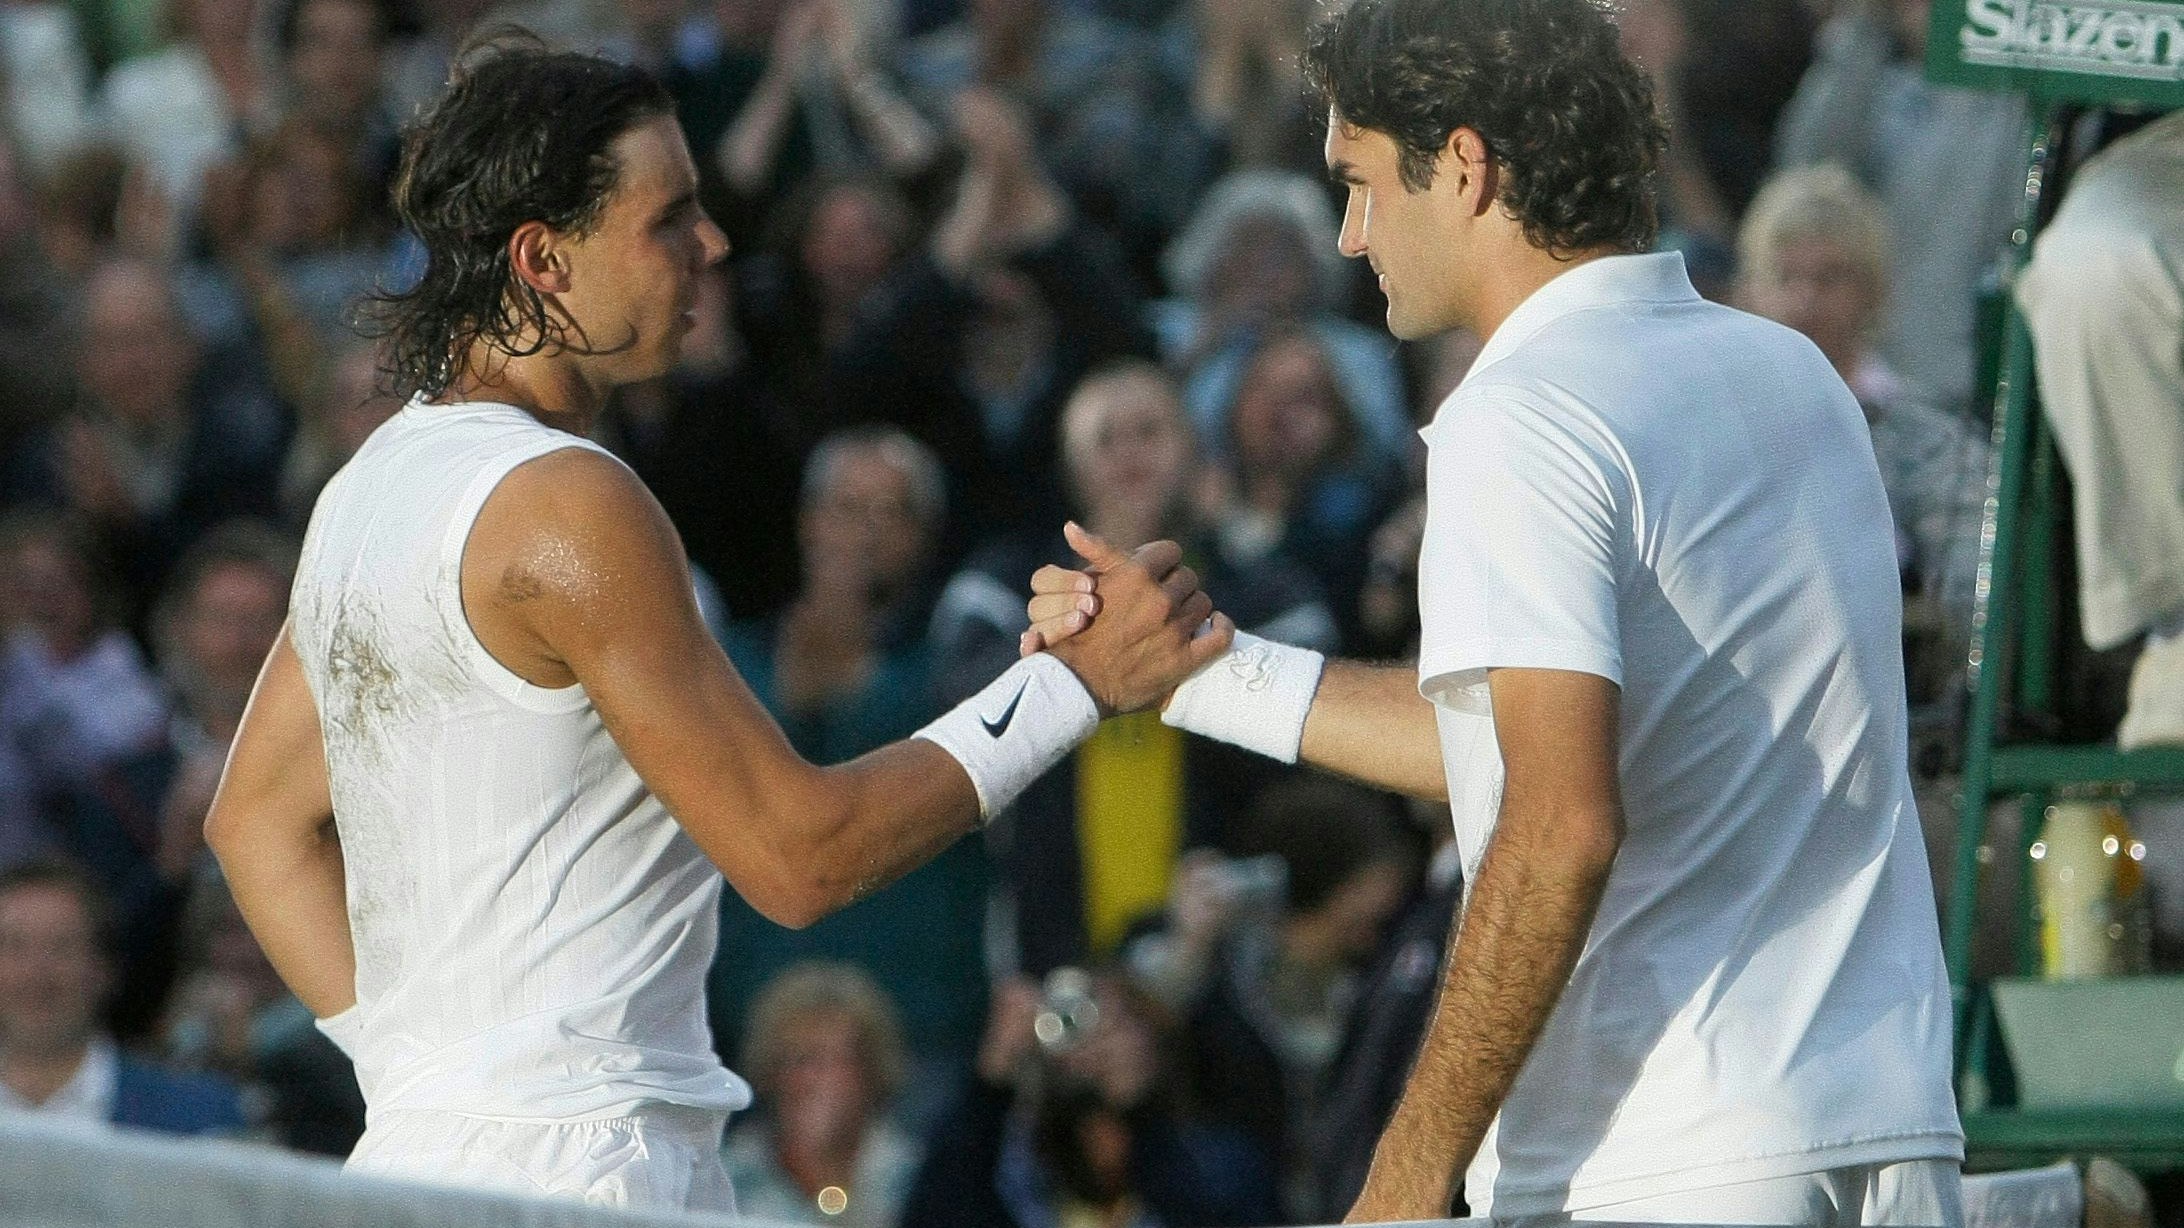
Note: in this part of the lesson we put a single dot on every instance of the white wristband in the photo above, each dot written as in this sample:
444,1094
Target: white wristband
1255,695
1009,734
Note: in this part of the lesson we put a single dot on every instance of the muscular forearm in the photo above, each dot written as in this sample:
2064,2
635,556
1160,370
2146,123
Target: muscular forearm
1369,722
1530,910
901,805
292,891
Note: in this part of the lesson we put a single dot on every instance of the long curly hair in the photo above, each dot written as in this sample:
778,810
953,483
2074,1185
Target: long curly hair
524,133
1571,122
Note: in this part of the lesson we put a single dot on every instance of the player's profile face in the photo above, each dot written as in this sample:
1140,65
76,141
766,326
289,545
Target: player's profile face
634,280
1406,234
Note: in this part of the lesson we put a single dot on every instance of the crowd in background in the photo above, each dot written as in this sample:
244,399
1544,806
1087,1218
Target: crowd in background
997,263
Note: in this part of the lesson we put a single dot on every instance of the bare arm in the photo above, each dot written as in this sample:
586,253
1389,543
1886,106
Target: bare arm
1531,907
1369,722
573,573
271,825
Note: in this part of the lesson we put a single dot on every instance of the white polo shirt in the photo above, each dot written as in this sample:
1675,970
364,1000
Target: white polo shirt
1682,498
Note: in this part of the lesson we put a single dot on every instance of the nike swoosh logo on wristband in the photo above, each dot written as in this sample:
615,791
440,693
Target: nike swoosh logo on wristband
1000,725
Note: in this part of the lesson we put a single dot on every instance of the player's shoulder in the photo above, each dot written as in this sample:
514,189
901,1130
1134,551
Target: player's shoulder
573,480
577,505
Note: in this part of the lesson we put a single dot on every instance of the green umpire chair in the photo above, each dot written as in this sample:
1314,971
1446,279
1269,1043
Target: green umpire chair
2024,629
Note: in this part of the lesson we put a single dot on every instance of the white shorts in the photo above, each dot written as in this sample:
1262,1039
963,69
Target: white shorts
1907,1194
666,1158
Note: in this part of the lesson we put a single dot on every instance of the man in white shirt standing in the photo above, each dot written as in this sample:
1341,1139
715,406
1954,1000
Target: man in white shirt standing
1698,976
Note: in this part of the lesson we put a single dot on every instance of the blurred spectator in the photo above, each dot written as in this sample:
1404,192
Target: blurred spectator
170,439
1380,1038
76,697
418,62
845,669
1695,219
823,1051
2105,303
138,828
1263,967
334,63
842,666
711,84
973,345
117,30
1259,254
788,89
1305,483
351,405
214,628
1101,106
800,296
78,205
1814,252
1092,1130
295,248
823,78
1241,57
1090,849
1722,72
649,33
1746,64
232,1016
48,74
1387,605
717,406
178,111
33,306
1948,165
54,1057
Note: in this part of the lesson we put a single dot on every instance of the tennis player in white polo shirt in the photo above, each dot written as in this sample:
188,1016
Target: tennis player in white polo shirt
1698,975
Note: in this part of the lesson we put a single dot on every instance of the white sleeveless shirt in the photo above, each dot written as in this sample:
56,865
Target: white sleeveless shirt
532,928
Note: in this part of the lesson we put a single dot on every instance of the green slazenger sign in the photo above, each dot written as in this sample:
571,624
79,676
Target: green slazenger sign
2103,51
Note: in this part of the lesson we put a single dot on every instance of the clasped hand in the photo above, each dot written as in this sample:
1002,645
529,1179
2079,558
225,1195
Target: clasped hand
1154,626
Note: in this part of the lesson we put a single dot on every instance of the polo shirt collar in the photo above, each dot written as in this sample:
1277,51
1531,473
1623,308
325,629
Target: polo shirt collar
1656,277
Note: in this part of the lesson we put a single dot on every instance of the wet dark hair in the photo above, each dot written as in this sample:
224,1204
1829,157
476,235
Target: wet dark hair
523,134
1570,121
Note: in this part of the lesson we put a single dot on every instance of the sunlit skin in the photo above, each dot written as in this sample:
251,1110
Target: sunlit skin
1450,254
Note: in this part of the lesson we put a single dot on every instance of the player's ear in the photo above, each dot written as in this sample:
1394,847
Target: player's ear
538,258
1468,157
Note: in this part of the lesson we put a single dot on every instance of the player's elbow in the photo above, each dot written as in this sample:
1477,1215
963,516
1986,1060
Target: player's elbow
785,909
794,900
1592,836
223,830
792,880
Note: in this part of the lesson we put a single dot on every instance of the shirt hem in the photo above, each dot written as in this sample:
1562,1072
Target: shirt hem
1933,1144
1468,662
